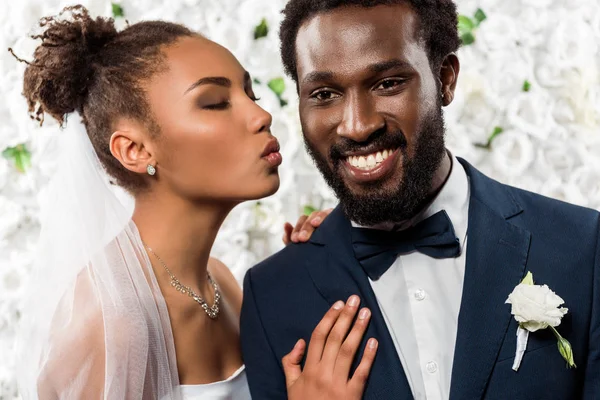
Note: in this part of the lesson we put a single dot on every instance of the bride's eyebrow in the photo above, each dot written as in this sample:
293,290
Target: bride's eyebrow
210,80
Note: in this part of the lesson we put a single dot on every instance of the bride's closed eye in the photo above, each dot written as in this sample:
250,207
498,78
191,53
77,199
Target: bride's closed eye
217,106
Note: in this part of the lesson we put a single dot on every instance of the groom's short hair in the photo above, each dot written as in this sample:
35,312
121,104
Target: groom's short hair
438,21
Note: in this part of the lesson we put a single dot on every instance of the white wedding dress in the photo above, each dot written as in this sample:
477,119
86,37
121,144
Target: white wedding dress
98,325
233,388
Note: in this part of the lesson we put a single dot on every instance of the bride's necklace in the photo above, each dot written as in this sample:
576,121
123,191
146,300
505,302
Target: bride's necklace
212,312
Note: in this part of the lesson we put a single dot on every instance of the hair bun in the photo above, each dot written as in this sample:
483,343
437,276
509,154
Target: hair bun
58,79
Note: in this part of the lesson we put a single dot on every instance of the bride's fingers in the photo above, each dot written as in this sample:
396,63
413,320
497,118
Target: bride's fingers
348,350
287,233
313,221
320,217
359,379
339,332
291,363
297,228
320,334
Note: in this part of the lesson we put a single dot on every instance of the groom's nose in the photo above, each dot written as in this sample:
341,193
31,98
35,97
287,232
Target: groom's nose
360,118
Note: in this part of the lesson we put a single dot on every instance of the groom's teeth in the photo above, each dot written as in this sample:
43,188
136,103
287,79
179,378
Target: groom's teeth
369,161
362,162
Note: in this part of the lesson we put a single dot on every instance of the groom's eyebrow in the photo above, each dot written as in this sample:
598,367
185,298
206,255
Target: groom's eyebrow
210,80
377,68
317,76
385,66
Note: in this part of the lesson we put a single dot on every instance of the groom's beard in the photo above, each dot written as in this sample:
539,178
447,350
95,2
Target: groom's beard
407,196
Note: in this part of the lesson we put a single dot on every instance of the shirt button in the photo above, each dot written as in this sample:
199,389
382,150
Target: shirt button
431,367
419,294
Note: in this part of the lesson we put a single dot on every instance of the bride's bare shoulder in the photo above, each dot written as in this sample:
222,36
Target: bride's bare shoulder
229,286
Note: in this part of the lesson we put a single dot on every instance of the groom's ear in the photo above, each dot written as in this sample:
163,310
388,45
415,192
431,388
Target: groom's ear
130,144
448,76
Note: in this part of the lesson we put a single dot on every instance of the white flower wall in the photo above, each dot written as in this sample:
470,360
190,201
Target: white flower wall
530,79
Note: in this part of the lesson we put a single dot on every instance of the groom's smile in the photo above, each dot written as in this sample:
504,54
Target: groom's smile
370,109
365,167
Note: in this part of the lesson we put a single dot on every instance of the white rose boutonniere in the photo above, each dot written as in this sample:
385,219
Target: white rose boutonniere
537,307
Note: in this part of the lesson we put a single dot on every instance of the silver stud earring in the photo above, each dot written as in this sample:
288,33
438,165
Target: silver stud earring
151,170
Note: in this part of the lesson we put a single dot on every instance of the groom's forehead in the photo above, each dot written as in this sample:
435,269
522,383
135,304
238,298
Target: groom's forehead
348,37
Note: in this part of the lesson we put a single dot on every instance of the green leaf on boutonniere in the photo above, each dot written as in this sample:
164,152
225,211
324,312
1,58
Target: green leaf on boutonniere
528,280
308,209
261,29
488,145
565,349
20,155
117,10
277,85
526,86
257,81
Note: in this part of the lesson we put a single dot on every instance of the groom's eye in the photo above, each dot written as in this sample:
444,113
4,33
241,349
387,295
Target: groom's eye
389,84
323,95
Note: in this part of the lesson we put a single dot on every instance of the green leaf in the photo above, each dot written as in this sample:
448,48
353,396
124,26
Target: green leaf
479,16
20,155
564,347
497,130
467,38
528,280
465,25
261,29
488,145
283,102
308,209
526,86
9,153
257,81
277,85
117,10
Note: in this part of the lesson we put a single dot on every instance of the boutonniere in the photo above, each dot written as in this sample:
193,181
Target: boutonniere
537,307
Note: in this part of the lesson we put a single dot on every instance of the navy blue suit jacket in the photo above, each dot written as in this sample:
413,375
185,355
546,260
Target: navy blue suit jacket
511,231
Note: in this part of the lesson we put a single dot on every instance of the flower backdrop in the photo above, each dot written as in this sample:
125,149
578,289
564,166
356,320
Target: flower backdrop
527,112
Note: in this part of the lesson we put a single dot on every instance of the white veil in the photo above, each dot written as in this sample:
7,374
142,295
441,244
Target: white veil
95,325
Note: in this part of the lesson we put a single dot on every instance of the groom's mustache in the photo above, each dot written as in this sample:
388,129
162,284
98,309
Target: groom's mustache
377,142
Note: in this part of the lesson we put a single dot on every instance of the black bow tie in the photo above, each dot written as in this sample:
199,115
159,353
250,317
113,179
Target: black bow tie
377,250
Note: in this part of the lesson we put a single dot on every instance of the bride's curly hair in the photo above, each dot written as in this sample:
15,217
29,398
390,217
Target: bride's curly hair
85,65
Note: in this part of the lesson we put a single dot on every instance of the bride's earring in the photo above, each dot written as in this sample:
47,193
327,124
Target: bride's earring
151,170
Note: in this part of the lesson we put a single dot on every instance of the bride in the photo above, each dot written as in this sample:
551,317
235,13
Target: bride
126,302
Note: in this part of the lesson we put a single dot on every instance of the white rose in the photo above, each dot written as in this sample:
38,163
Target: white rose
536,306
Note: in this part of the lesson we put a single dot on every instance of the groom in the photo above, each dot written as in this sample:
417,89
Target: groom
432,246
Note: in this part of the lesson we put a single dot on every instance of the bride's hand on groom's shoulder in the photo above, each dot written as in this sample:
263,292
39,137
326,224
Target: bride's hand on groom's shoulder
332,349
304,228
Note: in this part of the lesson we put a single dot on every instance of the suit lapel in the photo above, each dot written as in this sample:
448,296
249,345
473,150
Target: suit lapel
342,277
497,254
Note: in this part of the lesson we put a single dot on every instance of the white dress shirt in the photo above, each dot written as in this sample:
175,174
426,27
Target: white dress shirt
420,296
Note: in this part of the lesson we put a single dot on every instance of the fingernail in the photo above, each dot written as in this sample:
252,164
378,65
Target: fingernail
363,314
372,343
353,302
298,343
338,305
294,237
316,220
303,235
